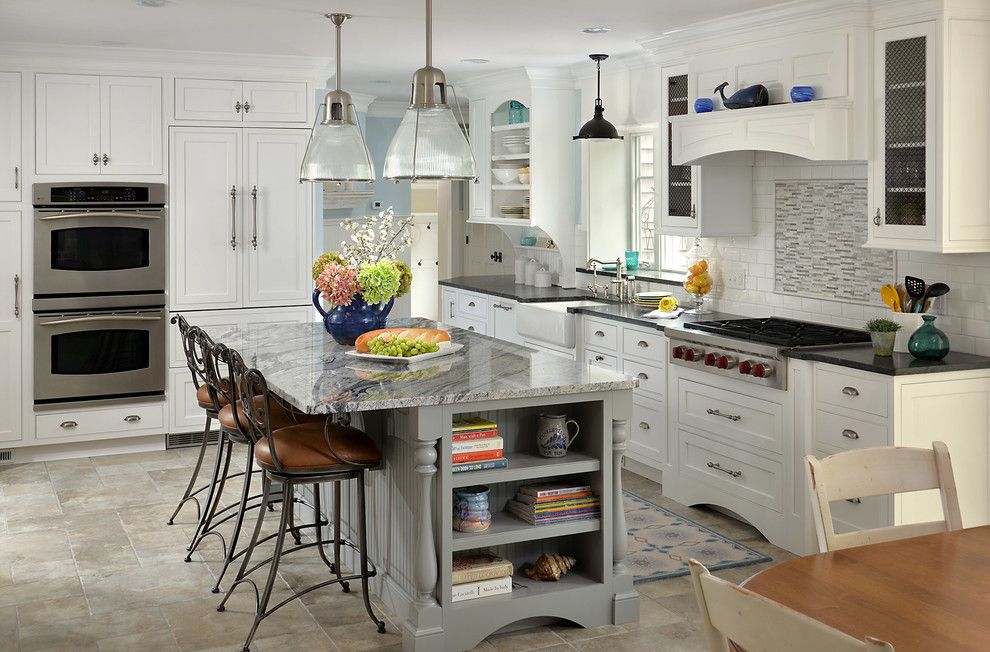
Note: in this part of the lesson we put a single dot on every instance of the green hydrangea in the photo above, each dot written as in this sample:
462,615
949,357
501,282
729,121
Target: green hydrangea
321,262
405,277
379,281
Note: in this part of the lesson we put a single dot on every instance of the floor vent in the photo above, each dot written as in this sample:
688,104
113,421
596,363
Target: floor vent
6,456
187,439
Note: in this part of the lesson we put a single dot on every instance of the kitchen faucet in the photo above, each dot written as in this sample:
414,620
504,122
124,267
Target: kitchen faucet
621,282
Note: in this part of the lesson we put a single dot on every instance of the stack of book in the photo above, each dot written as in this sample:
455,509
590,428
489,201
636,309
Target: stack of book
479,575
476,445
546,503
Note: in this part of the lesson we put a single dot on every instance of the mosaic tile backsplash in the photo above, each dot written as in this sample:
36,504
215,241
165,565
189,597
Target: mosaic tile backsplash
818,244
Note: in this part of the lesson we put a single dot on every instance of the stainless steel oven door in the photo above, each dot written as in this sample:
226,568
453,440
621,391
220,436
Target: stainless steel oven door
81,356
99,251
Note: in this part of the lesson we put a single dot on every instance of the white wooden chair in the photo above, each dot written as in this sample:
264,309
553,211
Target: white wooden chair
753,622
876,472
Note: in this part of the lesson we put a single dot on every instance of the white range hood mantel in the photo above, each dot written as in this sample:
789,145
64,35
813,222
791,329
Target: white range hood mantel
818,131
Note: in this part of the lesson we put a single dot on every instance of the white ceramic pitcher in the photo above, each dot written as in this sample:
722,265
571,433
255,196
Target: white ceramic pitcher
553,436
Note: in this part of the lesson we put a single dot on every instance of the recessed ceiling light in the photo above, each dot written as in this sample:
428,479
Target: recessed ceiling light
597,30
475,60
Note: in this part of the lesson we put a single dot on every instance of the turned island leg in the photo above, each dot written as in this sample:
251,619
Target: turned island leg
424,628
625,604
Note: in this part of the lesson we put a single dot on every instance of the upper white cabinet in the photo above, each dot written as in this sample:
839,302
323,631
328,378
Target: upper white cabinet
241,223
241,101
11,170
89,124
11,316
929,170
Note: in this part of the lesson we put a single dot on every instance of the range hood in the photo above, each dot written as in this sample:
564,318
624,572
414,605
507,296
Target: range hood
818,131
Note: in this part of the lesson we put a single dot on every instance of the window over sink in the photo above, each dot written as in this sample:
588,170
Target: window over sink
656,252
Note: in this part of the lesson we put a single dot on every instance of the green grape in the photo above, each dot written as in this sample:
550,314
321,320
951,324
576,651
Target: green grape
401,347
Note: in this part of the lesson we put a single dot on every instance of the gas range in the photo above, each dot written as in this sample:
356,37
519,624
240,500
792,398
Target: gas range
751,349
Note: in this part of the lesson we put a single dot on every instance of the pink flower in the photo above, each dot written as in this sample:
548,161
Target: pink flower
338,283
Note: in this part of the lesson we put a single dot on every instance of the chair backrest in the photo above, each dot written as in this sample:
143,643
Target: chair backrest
876,472
221,362
187,347
249,384
753,622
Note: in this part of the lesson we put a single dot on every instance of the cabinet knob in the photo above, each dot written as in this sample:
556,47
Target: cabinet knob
96,159
876,218
237,106
247,106
106,159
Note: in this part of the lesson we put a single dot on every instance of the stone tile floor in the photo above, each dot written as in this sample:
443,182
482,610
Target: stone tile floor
87,563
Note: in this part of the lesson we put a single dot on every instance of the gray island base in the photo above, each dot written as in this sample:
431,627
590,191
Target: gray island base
409,410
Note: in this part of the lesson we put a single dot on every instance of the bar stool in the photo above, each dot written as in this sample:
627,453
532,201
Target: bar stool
307,453
192,342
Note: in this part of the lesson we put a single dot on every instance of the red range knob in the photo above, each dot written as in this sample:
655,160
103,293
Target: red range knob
677,352
726,362
711,359
746,367
762,370
692,355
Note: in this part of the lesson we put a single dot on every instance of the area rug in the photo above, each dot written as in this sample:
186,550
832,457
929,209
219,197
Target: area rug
661,543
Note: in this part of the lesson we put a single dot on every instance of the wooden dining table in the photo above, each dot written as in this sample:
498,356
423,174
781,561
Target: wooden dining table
928,593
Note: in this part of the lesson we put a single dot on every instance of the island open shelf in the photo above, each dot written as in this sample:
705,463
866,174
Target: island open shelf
506,528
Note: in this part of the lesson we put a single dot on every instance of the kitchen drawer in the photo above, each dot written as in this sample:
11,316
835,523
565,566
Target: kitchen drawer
474,325
648,429
602,360
843,432
185,414
472,306
851,391
651,347
602,335
751,477
136,418
745,420
652,379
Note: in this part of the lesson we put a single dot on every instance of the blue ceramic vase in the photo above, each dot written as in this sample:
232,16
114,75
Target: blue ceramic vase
703,105
346,323
802,93
928,342
471,511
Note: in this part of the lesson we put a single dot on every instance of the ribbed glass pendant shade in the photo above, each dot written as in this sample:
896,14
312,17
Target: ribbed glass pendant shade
435,148
337,152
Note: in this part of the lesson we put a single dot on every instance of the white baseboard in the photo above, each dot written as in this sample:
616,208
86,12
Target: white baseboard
51,452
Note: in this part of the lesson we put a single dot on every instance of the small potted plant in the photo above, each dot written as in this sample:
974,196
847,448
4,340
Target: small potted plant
882,334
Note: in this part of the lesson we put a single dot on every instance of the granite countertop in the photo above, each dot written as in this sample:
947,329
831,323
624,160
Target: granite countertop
633,314
506,286
860,356
305,367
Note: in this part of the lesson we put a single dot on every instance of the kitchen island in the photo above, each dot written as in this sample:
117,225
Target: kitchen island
409,410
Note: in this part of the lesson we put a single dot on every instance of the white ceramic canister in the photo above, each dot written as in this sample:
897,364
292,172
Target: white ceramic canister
520,270
531,268
910,322
543,278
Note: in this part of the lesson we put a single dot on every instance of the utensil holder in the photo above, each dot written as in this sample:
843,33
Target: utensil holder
910,322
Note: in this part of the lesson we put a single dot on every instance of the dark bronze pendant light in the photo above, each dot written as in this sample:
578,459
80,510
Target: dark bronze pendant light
598,128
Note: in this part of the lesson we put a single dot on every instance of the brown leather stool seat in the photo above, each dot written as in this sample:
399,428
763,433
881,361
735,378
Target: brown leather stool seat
303,449
203,397
280,417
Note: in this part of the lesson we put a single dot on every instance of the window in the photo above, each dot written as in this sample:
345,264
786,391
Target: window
656,252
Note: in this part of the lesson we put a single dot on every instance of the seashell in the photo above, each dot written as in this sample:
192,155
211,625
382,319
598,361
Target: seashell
550,567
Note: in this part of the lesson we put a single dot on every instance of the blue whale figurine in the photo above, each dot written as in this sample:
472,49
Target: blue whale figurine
744,98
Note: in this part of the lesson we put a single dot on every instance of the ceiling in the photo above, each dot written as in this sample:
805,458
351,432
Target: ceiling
382,45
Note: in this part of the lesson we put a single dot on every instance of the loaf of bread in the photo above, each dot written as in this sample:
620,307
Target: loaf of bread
434,335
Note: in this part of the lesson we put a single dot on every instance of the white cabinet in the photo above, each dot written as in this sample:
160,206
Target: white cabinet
929,168
241,101
11,168
87,124
94,423
503,320
480,313
241,223
11,317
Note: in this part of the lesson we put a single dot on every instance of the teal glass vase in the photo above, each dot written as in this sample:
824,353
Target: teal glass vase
928,342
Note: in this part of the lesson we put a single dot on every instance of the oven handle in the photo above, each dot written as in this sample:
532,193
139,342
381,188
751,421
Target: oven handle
83,320
72,216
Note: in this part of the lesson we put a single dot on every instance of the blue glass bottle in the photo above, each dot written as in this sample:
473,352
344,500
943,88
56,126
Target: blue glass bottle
928,342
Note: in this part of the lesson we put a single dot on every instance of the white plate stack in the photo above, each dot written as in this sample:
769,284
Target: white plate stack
516,143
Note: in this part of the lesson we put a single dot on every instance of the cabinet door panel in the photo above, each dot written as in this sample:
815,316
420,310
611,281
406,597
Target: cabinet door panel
10,326
67,124
503,320
11,170
276,102
278,221
131,125
204,166
208,99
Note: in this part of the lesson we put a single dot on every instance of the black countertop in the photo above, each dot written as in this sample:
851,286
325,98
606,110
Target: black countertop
633,314
860,356
506,287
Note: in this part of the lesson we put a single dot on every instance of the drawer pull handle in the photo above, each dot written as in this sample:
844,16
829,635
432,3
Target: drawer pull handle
599,358
132,418
68,424
643,344
471,328
471,304
854,501
730,417
642,376
850,391
644,426
716,466
850,434
599,334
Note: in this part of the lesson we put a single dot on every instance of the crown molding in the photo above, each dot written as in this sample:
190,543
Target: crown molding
59,58
625,62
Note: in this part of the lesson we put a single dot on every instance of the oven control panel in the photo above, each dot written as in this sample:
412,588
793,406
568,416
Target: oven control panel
742,365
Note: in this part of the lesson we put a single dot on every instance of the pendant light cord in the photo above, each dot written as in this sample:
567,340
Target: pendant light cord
337,26
429,33
598,98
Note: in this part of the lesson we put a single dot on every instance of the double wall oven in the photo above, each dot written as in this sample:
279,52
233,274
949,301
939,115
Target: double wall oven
99,291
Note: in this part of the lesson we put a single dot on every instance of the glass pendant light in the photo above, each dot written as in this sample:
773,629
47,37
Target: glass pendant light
336,150
598,128
429,143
